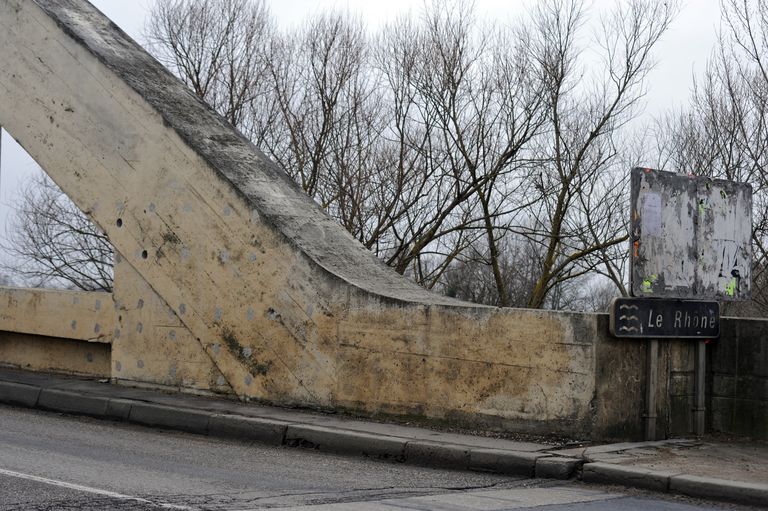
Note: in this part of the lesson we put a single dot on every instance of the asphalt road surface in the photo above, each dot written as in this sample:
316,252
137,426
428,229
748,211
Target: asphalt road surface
58,462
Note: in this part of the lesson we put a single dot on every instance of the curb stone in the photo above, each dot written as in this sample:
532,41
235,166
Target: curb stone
171,417
504,462
72,402
752,494
607,473
557,467
541,464
119,409
19,394
354,443
257,429
434,454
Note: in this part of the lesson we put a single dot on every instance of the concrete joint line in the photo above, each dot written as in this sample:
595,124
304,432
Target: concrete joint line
119,409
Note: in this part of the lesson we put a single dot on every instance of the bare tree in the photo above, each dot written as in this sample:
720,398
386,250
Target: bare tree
724,131
441,136
217,47
52,243
577,220
447,146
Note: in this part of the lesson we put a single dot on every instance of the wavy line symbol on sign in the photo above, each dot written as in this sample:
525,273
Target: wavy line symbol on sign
628,329
628,318
627,307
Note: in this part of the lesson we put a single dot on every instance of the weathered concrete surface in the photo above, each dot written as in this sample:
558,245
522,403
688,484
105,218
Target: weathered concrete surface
152,345
68,314
60,331
288,307
53,354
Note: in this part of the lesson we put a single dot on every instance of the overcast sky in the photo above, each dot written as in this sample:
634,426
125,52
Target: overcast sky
682,53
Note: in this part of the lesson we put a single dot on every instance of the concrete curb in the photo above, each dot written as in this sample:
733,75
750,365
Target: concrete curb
19,394
352,443
171,417
256,429
338,440
557,467
276,432
434,454
736,492
504,462
751,494
72,402
608,473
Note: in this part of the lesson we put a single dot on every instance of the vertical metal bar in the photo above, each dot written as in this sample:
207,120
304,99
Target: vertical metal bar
652,384
700,404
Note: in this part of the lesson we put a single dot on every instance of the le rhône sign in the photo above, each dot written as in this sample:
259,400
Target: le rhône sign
664,318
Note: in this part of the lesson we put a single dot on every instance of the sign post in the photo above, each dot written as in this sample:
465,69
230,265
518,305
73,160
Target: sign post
660,318
690,245
651,371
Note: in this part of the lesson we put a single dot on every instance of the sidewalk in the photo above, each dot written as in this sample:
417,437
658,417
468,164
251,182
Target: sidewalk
729,471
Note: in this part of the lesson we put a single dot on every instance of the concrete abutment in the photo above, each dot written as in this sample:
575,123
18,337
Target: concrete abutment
231,280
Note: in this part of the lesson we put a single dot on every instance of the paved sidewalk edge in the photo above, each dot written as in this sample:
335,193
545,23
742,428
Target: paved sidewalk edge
275,432
711,488
357,443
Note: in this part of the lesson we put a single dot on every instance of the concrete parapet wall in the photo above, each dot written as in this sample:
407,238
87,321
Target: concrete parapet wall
54,330
54,354
55,313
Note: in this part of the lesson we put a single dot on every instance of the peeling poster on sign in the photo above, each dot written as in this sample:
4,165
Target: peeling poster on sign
651,214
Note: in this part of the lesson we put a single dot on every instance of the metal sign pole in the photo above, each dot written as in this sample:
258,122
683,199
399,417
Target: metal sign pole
699,406
652,378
